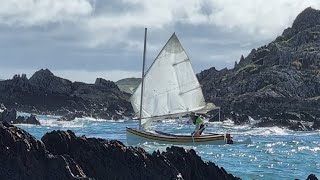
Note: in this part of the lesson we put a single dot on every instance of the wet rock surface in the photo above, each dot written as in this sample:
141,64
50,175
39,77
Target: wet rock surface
62,155
10,116
102,158
24,157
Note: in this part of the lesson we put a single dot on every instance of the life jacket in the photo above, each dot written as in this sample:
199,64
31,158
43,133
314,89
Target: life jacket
197,120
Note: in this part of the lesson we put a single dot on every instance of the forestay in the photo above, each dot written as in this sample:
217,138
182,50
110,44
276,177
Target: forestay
171,88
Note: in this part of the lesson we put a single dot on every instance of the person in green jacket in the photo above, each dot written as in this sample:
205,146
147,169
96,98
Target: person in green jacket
197,120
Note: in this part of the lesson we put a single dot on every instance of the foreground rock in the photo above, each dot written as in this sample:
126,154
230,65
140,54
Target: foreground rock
103,159
312,177
62,155
24,157
279,81
45,93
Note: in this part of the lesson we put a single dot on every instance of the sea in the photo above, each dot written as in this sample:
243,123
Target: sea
275,153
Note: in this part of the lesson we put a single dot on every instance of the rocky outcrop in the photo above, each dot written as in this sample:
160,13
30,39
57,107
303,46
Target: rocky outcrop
105,83
24,157
10,116
45,93
47,82
104,159
32,119
312,177
282,77
62,155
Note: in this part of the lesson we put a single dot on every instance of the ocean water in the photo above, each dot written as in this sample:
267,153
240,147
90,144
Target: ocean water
275,153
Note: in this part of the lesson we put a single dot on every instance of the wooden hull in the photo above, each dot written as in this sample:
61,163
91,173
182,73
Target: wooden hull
135,137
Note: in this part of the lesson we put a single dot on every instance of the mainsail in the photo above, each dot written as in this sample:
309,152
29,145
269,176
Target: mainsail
171,88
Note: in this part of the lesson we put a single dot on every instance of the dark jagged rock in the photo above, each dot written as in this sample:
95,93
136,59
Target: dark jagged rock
105,83
312,177
191,166
24,157
47,82
103,159
239,118
45,93
316,124
32,119
10,116
279,81
306,19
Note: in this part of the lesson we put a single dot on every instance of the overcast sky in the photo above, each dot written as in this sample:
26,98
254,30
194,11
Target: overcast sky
84,39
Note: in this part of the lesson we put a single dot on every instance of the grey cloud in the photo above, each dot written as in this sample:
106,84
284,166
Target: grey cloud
115,42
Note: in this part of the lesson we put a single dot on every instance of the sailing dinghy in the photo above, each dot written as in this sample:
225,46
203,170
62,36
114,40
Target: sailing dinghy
169,89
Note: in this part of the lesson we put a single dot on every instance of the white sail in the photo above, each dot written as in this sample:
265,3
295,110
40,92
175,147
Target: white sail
170,86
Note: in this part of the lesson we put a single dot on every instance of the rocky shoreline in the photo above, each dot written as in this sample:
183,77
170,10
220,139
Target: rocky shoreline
278,84
63,155
10,116
45,93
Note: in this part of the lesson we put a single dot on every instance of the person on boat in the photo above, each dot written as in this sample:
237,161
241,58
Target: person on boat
197,120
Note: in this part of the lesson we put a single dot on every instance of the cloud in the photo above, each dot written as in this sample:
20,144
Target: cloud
97,23
42,12
99,35
259,18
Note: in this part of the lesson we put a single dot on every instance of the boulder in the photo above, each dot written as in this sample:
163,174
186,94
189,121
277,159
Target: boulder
9,116
316,124
109,159
312,177
32,119
24,157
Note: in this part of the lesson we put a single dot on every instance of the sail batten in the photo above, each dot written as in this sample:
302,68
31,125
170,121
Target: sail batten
171,89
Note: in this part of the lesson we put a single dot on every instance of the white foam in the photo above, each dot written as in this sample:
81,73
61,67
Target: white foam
270,131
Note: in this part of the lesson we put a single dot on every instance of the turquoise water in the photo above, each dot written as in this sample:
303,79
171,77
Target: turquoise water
274,154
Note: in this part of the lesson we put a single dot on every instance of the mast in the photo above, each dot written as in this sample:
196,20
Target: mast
142,76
